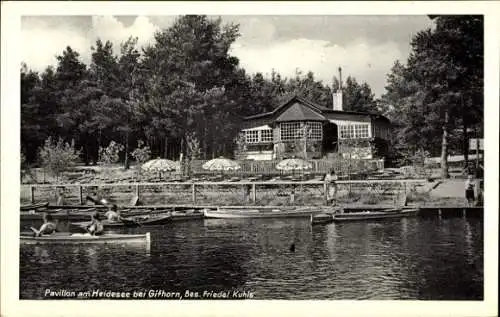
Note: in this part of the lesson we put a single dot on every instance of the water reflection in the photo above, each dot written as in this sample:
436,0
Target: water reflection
412,258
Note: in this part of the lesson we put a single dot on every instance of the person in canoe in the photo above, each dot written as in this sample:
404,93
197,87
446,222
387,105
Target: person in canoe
113,214
95,228
330,180
47,228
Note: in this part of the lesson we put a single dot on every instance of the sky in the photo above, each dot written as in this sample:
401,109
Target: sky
364,46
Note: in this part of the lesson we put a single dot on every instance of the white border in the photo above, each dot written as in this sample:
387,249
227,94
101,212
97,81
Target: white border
10,304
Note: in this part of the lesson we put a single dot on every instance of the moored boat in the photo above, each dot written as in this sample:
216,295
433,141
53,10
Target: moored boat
321,218
34,206
184,215
69,238
374,215
58,214
259,213
130,222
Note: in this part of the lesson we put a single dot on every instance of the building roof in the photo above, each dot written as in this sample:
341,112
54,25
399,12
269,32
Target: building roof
299,112
308,109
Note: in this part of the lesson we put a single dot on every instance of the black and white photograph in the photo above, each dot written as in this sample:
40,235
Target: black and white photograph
249,157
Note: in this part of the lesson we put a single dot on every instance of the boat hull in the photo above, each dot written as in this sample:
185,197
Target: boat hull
67,238
189,215
321,219
61,215
34,206
129,222
256,213
374,215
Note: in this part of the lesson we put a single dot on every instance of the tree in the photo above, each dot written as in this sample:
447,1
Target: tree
439,89
193,82
56,156
447,64
357,97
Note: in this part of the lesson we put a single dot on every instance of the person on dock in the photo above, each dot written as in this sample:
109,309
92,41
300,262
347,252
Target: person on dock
95,228
470,185
331,184
113,214
48,227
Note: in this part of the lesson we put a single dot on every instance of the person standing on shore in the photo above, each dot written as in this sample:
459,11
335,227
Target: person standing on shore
331,185
470,185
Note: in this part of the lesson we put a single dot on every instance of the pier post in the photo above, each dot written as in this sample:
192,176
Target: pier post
254,193
464,212
325,192
80,191
193,193
32,189
137,191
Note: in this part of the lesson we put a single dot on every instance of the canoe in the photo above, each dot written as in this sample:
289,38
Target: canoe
68,238
321,219
60,215
34,206
130,222
190,214
258,213
374,215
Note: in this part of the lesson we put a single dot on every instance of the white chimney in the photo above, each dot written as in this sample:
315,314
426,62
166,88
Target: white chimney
337,96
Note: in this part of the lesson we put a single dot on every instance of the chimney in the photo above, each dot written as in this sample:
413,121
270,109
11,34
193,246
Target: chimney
337,96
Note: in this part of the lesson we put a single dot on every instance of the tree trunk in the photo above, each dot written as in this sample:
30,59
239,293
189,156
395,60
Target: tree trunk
444,148
465,143
165,150
127,164
86,149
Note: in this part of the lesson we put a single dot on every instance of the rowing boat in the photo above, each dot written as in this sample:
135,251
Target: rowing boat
34,206
374,215
60,215
130,222
69,238
258,213
184,215
321,218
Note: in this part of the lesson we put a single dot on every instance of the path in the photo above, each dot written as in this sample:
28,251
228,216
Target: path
449,188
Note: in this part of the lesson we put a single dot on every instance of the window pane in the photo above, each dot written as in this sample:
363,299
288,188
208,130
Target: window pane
266,135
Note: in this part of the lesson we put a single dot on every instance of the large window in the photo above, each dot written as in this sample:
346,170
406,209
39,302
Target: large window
291,131
266,135
259,136
354,131
252,136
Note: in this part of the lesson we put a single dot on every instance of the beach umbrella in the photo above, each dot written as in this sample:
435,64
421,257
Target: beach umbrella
294,164
160,165
221,164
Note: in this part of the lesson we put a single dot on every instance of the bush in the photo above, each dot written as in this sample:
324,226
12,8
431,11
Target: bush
110,154
55,157
142,153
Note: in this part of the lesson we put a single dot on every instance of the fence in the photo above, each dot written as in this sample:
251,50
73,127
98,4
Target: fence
225,193
342,166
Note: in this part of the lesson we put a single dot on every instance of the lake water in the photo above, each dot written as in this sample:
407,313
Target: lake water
413,258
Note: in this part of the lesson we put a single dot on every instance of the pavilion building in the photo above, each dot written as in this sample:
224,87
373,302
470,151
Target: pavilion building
299,127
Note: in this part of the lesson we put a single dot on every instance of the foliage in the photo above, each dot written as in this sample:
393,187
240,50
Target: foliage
56,156
193,146
186,80
439,89
111,153
142,153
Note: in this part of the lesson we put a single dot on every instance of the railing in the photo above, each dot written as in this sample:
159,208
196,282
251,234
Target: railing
224,193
